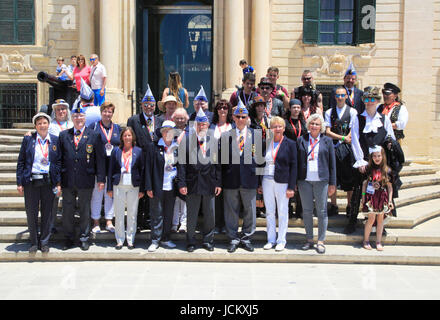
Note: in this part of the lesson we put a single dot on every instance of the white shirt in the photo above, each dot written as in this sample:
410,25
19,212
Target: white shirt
218,131
55,129
168,176
340,113
372,124
312,175
97,75
402,119
38,167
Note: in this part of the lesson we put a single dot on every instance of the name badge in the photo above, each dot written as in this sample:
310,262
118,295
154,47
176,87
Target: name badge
370,188
313,165
126,179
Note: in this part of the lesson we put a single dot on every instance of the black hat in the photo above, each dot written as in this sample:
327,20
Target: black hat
391,87
265,80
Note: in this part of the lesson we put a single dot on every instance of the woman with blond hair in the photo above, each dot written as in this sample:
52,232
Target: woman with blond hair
176,89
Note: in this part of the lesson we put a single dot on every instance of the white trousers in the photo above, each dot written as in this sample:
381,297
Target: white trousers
179,212
96,203
275,197
125,196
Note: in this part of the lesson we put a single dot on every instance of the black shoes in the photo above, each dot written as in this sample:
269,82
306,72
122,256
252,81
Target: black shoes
68,244
232,247
333,210
130,246
33,249
85,245
208,246
118,247
190,248
247,246
45,248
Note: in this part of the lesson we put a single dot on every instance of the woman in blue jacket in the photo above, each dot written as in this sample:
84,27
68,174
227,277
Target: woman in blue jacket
39,179
279,183
125,182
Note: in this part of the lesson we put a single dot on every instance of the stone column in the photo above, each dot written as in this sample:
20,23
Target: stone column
233,43
260,42
86,28
416,63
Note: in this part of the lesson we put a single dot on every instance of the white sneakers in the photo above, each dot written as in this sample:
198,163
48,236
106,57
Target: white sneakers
153,247
168,244
278,247
268,246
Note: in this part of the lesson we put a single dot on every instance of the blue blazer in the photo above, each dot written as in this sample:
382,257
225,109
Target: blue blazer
326,159
236,175
79,166
26,160
115,140
199,178
137,168
286,163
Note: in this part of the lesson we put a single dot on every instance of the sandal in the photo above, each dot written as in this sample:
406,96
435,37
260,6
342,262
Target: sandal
379,246
367,245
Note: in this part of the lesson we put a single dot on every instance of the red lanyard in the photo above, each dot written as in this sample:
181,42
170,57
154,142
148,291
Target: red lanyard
312,146
127,156
274,156
377,175
61,127
202,146
299,127
110,132
77,139
388,108
44,151
269,110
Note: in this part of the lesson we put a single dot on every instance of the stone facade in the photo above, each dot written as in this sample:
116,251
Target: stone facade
407,47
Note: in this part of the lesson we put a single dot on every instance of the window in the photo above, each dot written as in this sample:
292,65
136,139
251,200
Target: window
339,22
18,103
17,22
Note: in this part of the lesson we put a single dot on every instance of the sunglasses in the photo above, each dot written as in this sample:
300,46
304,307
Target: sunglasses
370,100
307,79
266,88
92,59
241,117
387,93
340,95
222,108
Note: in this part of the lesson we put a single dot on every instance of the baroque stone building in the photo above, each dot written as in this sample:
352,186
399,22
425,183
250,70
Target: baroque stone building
141,41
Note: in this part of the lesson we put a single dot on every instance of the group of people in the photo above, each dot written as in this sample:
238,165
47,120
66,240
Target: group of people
260,148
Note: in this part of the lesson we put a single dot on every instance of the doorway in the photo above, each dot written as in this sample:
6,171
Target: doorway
175,37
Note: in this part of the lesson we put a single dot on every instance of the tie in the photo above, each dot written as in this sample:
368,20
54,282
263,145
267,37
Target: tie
149,122
77,132
241,142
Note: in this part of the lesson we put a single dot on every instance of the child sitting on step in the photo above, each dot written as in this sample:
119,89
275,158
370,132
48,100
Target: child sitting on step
377,194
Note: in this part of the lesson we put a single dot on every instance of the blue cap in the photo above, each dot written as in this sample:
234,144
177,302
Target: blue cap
201,96
241,109
351,70
201,116
148,95
86,92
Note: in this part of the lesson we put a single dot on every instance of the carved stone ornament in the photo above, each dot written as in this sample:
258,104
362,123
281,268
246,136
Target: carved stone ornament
332,61
15,63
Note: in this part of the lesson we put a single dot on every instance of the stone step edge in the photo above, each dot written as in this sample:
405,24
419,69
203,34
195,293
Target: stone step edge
258,237
235,257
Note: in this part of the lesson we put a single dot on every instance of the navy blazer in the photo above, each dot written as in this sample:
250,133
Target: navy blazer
358,103
286,163
137,168
326,159
154,169
140,128
239,175
79,166
115,138
199,178
26,160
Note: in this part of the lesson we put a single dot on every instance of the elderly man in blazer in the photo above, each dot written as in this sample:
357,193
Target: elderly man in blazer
240,179
144,126
82,158
199,178
38,178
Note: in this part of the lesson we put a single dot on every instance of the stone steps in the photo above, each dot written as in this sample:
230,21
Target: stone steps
11,140
9,148
17,132
9,157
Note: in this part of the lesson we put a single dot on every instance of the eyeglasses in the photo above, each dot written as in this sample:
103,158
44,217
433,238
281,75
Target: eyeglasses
241,117
222,108
266,88
369,99
340,95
